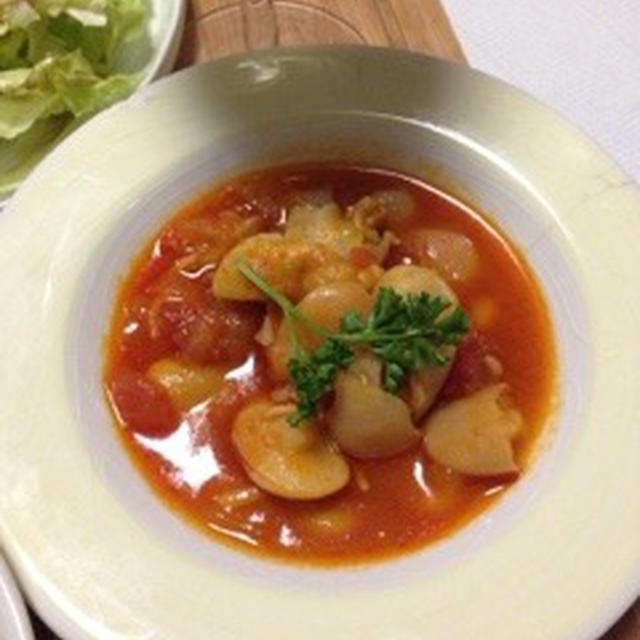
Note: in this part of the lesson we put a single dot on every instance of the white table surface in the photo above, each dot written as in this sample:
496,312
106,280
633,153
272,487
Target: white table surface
580,56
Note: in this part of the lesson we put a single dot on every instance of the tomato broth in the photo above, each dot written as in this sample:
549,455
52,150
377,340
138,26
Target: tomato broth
165,308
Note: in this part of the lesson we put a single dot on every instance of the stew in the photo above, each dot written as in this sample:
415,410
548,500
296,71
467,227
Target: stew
329,364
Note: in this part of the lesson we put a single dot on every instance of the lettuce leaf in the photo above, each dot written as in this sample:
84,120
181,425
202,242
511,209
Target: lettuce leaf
20,155
91,13
58,63
93,42
13,48
128,20
53,86
16,14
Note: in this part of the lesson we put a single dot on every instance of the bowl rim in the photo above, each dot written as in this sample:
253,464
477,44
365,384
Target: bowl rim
618,183
17,625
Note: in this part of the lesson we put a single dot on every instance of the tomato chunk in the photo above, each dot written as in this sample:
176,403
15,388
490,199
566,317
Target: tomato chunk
362,257
142,406
470,371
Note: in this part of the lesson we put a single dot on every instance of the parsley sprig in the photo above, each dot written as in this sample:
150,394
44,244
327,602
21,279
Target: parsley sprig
407,333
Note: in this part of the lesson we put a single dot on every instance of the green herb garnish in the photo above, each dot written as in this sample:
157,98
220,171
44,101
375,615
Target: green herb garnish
314,374
407,333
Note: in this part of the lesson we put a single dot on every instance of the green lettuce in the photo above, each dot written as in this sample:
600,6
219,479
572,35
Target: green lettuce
13,46
54,86
20,155
58,62
16,14
91,13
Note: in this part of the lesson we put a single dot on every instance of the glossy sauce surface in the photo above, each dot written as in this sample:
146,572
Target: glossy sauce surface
166,309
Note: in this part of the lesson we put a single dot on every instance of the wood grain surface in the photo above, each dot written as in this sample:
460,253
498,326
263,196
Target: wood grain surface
219,27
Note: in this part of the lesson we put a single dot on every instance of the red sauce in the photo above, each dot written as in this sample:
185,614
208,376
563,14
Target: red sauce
166,308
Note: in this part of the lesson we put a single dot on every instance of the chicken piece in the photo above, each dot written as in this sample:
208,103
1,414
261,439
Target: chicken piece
294,267
474,435
381,208
298,463
316,218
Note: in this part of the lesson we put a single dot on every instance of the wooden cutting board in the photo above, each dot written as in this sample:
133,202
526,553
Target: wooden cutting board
219,27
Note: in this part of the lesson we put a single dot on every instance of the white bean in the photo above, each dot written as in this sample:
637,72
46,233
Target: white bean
326,306
474,435
452,253
425,385
187,384
298,463
368,422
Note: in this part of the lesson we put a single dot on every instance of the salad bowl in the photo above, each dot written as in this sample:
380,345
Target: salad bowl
60,66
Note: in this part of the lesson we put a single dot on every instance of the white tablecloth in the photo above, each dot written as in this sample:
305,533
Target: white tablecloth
580,56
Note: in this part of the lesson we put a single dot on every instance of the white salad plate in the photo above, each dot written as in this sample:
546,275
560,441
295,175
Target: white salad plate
99,556
165,30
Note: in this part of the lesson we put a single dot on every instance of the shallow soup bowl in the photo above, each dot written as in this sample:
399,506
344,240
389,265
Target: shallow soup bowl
100,556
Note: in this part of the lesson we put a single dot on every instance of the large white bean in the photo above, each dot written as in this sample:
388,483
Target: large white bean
474,435
425,385
451,253
368,422
298,463
187,384
326,306
332,522
409,278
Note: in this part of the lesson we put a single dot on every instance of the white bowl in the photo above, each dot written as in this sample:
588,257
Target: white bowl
100,556
165,30
14,621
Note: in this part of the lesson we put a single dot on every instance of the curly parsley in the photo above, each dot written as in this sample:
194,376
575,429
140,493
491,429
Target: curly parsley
407,333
